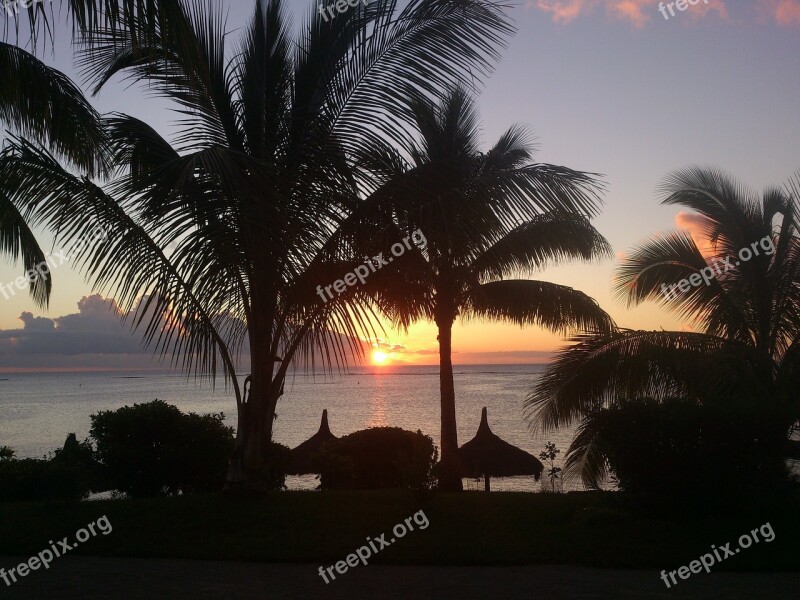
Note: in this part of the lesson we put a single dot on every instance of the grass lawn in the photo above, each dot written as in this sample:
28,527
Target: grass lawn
590,528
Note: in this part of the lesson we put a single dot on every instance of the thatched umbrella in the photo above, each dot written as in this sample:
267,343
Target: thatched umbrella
488,455
302,458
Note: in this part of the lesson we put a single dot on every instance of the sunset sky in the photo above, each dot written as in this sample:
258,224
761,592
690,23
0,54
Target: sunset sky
608,86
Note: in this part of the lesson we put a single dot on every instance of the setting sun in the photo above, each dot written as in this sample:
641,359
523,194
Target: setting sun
379,358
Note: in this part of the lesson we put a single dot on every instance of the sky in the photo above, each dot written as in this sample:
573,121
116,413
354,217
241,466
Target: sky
607,86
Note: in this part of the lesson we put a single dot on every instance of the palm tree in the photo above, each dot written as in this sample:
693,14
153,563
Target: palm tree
258,181
744,350
49,108
485,217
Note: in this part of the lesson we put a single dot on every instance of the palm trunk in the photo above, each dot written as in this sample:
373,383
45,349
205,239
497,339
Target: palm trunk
250,469
449,472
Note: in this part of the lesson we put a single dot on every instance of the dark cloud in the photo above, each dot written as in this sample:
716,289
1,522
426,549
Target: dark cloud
97,337
93,338
95,329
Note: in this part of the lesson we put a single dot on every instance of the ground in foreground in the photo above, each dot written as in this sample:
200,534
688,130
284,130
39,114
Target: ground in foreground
586,529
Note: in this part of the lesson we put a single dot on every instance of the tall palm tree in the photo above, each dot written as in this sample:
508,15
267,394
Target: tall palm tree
257,181
745,349
485,217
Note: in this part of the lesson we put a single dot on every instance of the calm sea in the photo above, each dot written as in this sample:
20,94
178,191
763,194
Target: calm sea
37,411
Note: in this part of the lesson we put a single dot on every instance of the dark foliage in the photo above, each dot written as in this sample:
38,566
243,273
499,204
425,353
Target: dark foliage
681,451
153,449
69,474
379,457
66,476
38,479
80,457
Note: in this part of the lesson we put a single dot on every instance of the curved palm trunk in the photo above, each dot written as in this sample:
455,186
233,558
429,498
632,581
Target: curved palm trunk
449,472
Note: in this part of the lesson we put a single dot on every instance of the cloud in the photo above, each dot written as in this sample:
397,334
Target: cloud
636,12
564,11
97,337
697,226
382,344
784,12
630,10
95,329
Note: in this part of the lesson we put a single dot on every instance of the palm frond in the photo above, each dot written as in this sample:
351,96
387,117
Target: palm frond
586,457
17,241
427,47
44,105
600,368
656,270
733,214
262,74
124,262
545,240
526,302
184,60
514,148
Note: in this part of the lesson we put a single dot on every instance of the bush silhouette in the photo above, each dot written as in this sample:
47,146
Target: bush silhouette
678,450
40,479
380,457
69,475
155,449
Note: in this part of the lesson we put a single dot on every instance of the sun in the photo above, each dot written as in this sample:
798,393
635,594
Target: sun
379,358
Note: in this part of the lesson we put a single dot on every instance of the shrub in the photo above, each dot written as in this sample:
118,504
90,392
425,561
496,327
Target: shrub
152,449
380,457
69,474
681,450
80,456
277,464
38,479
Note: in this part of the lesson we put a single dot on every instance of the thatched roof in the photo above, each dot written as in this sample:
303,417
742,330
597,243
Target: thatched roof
487,454
303,457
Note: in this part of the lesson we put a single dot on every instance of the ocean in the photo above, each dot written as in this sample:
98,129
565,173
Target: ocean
37,411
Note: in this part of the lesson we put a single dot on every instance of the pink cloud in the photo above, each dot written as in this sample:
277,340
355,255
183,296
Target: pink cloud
784,12
636,12
630,10
564,11
697,226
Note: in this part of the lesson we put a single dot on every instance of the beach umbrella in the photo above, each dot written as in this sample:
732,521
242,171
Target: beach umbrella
303,457
488,455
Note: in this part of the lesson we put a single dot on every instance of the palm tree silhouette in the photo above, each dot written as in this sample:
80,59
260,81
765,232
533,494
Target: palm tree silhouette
257,182
745,349
485,217
42,104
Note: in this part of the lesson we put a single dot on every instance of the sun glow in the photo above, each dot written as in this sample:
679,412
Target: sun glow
379,358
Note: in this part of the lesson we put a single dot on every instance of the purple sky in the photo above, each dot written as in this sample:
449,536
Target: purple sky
608,86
